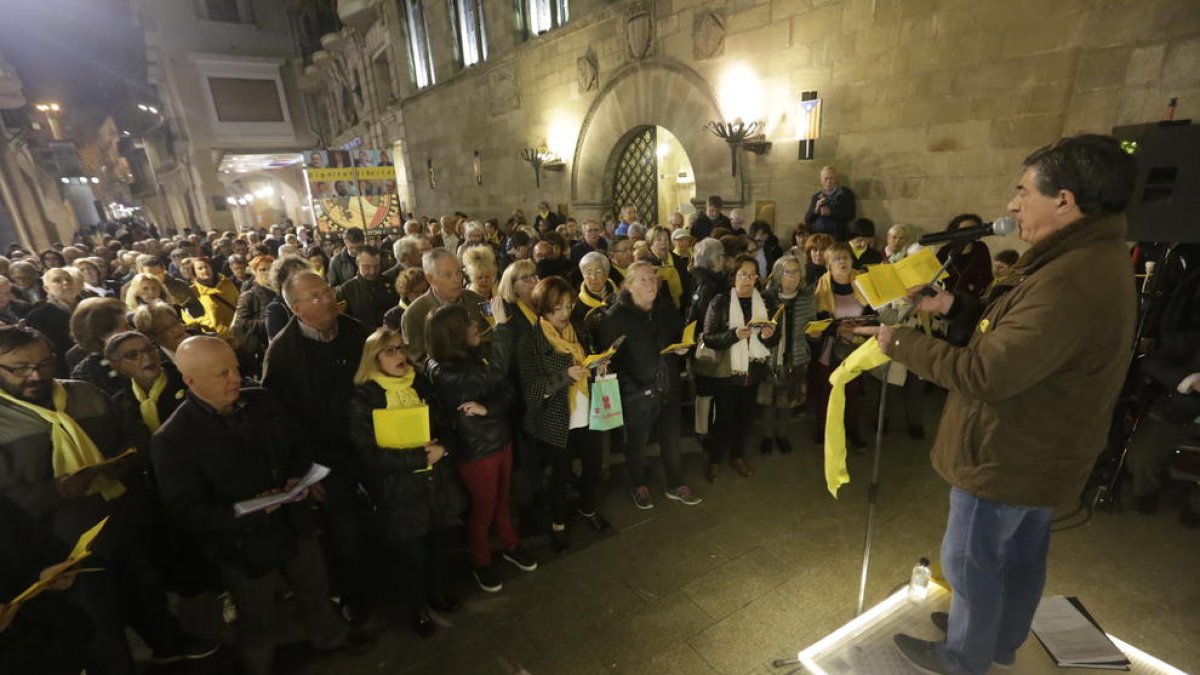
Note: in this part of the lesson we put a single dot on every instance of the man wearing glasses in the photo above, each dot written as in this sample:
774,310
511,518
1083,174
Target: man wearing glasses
52,435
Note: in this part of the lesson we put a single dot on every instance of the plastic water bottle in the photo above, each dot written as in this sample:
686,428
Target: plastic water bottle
918,585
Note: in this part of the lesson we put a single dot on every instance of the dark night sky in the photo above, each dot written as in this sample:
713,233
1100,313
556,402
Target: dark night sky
86,54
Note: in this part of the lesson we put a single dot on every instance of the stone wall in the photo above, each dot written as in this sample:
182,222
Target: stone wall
928,105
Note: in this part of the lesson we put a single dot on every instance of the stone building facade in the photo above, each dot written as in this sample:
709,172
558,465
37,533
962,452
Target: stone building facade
928,105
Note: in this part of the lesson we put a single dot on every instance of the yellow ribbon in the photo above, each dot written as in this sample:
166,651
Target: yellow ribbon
73,448
148,402
530,316
586,297
399,390
866,357
567,342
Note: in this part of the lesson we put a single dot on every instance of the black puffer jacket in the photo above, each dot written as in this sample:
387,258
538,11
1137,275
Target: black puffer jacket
640,367
706,285
720,337
484,380
411,501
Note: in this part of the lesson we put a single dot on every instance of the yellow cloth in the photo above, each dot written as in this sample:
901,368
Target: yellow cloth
220,304
866,357
148,401
528,312
586,297
567,342
669,274
73,448
399,390
823,292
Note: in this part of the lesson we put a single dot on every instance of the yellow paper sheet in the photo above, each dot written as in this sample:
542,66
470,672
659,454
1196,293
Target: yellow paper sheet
773,321
815,328
866,357
882,284
688,340
593,358
81,550
401,428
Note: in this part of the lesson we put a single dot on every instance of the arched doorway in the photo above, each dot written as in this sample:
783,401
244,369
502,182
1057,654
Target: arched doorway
652,172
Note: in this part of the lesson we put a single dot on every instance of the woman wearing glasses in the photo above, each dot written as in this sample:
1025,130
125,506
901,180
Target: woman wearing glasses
554,383
790,355
596,293
152,391
415,488
738,327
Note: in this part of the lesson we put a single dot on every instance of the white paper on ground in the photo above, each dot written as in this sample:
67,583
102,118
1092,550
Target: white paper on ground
1070,637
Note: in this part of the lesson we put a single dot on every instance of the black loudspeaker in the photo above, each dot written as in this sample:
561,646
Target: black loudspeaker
1166,201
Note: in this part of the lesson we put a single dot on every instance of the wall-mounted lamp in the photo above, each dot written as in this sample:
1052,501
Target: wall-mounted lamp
541,158
737,133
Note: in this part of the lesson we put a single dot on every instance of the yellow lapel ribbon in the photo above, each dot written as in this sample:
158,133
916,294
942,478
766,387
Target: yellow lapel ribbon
567,343
528,312
867,357
399,390
586,297
148,401
73,448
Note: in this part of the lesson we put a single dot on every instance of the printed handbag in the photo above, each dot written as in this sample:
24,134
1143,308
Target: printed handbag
605,404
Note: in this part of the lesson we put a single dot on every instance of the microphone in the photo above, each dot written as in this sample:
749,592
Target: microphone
998,227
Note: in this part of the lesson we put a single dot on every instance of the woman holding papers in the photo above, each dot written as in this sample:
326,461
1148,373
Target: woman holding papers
410,480
838,299
790,355
554,381
474,389
740,328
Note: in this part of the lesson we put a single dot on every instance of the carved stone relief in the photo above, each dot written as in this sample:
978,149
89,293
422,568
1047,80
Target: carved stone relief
708,33
588,72
505,96
639,32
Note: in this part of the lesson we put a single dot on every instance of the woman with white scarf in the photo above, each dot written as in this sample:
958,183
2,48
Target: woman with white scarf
737,326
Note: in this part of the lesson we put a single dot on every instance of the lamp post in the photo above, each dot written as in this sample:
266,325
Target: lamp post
51,109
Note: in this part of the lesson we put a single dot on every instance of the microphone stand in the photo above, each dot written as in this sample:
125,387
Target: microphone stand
873,489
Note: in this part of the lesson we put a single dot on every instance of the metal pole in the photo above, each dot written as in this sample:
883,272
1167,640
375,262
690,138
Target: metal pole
873,490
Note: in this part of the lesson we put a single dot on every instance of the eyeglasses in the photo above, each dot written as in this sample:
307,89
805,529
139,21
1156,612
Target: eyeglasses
394,351
747,275
134,354
25,371
526,277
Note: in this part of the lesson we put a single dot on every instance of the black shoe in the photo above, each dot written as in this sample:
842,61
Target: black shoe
447,604
766,446
424,624
487,579
192,649
921,654
524,561
785,446
1146,504
941,621
560,541
916,432
597,522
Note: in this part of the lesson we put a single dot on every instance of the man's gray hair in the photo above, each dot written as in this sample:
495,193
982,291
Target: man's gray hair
432,256
474,226
638,228
147,260
595,257
289,286
707,252
403,246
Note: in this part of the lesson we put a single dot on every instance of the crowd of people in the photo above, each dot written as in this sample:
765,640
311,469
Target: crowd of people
232,362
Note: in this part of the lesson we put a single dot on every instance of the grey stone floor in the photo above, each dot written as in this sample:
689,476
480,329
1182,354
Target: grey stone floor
765,566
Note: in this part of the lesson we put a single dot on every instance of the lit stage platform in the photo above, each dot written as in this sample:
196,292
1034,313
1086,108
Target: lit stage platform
864,646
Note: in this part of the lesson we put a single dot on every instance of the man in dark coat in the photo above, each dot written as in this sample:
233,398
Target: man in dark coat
342,267
831,208
225,445
1031,395
368,296
310,367
711,219
650,389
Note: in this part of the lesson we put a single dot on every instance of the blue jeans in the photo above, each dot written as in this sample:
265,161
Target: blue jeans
994,556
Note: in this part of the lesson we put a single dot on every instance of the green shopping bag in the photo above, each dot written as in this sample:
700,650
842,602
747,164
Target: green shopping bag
605,403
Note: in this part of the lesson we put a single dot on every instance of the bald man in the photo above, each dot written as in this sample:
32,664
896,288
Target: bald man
225,444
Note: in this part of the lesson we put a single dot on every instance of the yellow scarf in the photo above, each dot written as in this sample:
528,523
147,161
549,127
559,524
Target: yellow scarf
73,448
148,402
528,312
399,390
866,357
586,297
567,342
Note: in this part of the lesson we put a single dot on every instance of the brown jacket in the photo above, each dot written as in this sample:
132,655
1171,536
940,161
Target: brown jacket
1032,392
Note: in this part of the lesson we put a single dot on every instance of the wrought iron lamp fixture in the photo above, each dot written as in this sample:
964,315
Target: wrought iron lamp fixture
737,132
541,158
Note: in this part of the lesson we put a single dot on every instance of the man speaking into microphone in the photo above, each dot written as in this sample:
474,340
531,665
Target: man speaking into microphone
1032,381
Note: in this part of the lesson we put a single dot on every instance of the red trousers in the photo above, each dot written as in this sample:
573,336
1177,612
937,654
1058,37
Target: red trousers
487,481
